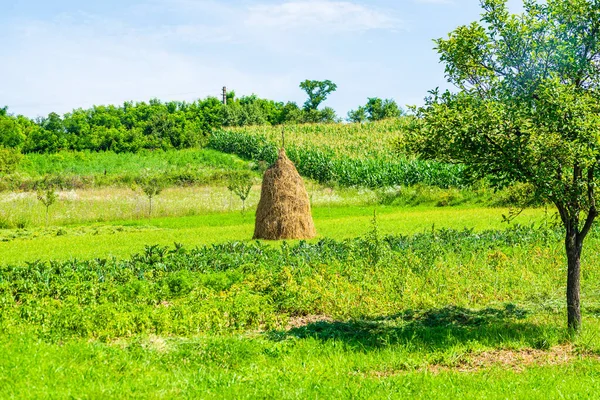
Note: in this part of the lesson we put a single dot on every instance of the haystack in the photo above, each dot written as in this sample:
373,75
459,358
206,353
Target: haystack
284,208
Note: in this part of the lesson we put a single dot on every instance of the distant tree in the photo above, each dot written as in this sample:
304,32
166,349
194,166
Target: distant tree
290,114
358,116
328,116
151,186
378,109
317,92
163,131
230,96
11,134
49,137
9,160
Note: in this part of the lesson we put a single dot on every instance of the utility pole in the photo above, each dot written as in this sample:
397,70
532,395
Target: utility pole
225,95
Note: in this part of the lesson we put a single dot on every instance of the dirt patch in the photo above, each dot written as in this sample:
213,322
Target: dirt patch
518,360
514,360
299,322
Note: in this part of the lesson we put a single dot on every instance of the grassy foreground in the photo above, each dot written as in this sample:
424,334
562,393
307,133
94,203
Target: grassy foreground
79,170
430,315
239,368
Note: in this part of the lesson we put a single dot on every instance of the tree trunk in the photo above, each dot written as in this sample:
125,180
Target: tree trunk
573,247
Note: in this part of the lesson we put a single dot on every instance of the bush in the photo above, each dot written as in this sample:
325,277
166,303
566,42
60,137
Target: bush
9,160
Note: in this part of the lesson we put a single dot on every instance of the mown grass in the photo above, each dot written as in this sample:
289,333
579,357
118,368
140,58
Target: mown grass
120,238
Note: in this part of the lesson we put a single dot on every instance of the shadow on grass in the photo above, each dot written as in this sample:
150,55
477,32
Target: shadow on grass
437,328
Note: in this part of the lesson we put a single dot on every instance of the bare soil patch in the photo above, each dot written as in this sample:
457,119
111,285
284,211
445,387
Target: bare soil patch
299,322
514,360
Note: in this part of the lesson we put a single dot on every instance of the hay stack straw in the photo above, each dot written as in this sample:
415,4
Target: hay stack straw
284,208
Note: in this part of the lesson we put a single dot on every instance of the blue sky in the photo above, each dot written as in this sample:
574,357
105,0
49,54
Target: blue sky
64,54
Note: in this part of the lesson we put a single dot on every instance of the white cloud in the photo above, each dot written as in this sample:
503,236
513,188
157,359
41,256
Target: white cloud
320,15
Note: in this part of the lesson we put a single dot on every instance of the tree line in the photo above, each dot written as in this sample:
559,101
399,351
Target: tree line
132,127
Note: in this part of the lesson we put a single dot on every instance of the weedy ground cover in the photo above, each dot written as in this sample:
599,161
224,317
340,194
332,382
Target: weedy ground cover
375,316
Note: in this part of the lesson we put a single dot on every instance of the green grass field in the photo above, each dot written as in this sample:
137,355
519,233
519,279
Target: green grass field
120,238
438,313
439,298
85,170
239,368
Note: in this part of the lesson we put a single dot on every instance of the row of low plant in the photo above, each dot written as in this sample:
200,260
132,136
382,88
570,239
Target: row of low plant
243,286
326,165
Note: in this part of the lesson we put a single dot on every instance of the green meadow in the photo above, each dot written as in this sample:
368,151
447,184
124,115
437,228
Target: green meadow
120,238
425,302
408,291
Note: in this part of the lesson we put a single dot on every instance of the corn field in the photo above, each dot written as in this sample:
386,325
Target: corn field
348,155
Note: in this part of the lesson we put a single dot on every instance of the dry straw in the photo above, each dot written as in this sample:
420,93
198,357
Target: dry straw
284,208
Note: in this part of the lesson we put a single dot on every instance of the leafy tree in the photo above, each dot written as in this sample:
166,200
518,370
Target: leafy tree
358,116
11,134
527,110
378,109
49,137
328,116
151,186
317,92
290,114
230,96
162,132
